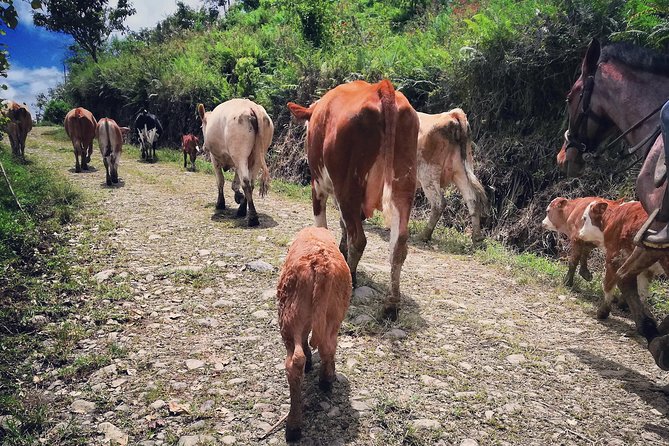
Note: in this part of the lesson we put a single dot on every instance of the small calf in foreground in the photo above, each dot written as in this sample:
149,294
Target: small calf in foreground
612,226
313,295
564,217
190,144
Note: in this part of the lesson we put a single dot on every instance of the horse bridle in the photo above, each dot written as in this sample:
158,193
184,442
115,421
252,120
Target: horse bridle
574,136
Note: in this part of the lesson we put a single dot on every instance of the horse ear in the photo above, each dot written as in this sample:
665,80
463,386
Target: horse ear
591,58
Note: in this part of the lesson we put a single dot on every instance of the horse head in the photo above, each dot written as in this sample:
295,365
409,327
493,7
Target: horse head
588,122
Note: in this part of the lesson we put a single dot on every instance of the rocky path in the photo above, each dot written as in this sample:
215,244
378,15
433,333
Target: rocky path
476,358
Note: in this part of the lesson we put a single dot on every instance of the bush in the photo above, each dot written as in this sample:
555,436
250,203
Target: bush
55,111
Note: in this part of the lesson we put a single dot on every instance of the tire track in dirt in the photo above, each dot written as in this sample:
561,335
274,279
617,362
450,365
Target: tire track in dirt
475,355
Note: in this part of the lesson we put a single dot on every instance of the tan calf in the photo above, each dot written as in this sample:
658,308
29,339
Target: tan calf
444,158
110,137
313,295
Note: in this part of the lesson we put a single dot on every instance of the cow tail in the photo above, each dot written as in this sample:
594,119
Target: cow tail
466,144
108,150
319,299
389,111
259,151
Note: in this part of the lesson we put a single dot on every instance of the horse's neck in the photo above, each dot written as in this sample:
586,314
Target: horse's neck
632,95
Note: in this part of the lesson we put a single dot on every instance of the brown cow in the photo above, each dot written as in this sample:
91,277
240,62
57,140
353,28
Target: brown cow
564,217
237,134
313,295
361,147
80,125
19,123
190,144
110,137
612,226
444,158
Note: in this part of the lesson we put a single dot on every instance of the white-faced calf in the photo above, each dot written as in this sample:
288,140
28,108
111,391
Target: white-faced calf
313,295
190,144
612,226
564,217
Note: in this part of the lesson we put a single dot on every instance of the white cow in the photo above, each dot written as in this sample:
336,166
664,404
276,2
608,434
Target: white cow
445,157
237,134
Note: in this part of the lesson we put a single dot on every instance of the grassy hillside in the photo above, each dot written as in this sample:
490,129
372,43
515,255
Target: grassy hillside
508,64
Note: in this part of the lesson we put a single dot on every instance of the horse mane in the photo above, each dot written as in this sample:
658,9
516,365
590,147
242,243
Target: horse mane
638,57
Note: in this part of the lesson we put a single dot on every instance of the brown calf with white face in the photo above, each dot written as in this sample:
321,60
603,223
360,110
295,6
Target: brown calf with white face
110,138
361,147
444,158
80,125
190,144
313,295
563,216
612,225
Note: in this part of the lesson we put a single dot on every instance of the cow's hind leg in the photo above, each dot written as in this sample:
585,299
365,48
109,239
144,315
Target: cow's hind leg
295,363
326,350
237,189
343,243
220,181
356,241
114,168
467,190
77,164
185,159
105,160
399,234
437,204
248,201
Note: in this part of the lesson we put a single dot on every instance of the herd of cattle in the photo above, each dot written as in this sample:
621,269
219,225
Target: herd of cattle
368,148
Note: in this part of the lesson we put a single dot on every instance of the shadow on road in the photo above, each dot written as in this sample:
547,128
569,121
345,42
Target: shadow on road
230,214
631,380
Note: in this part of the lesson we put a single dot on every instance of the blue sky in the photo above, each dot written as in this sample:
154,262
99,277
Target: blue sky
36,55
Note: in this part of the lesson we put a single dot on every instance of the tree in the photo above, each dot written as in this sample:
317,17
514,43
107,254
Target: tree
55,111
89,22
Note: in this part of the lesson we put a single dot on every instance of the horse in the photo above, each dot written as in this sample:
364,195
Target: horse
622,88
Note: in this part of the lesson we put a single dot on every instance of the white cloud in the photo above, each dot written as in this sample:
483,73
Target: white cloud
25,83
150,12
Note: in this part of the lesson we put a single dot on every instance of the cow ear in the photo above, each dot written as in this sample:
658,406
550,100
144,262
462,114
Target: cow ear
560,202
200,111
300,113
591,58
599,208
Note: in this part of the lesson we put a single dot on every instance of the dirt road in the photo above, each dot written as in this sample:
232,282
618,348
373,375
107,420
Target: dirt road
475,356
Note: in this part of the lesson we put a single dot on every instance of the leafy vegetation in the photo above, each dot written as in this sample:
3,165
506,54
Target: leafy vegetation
507,63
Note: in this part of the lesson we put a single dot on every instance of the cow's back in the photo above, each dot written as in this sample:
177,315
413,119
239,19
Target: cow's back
80,125
623,222
236,127
345,138
109,135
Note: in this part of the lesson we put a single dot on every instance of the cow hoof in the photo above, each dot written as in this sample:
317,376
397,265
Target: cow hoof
603,312
220,206
293,434
241,212
253,221
109,182
659,348
77,169
587,275
324,385
391,313
239,197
